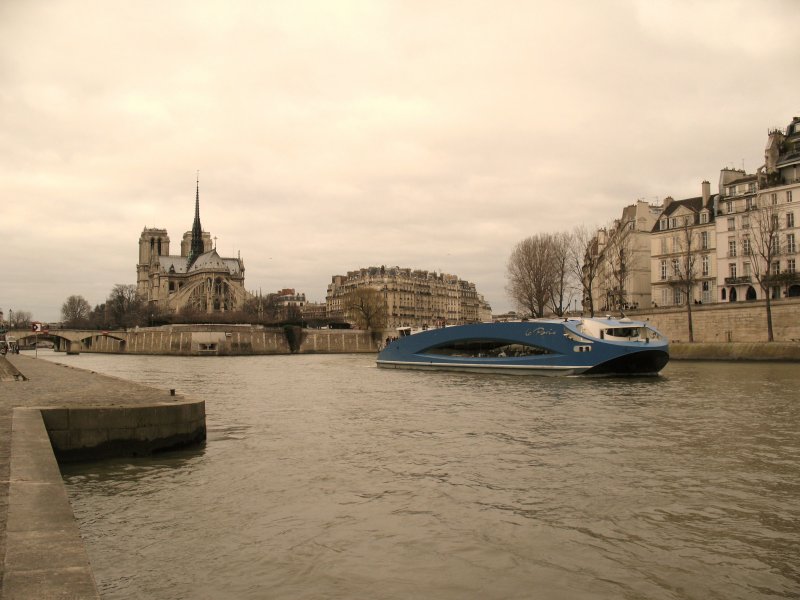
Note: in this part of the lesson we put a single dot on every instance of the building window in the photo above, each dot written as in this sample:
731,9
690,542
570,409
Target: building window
751,187
749,203
703,218
731,269
746,269
773,197
706,286
663,270
788,195
790,247
664,249
673,223
745,221
731,246
665,296
729,207
663,225
704,240
776,268
678,296
746,245
731,223
774,245
675,267
705,265
790,266
789,219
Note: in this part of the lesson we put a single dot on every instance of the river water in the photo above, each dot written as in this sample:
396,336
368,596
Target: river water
325,477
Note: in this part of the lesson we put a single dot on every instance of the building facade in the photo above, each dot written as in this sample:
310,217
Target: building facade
683,263
197,279
756,226
413,298
622,255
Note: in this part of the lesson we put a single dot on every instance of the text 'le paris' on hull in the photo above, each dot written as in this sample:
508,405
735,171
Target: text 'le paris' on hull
587,346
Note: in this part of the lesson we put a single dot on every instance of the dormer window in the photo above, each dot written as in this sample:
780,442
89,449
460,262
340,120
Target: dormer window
663,225
704,217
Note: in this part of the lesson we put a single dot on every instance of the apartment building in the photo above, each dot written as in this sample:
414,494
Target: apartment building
622,278
683,260
412,297
756,226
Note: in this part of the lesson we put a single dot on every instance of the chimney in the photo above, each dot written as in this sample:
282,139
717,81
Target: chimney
706,192
667,201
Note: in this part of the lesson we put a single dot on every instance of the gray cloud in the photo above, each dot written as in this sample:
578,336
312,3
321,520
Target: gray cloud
331,136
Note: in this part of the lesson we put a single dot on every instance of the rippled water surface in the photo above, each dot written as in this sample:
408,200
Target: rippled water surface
324,477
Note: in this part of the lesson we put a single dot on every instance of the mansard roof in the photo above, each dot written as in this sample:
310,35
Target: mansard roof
694,205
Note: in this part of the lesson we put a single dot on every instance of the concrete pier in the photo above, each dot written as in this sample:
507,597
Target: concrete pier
49,410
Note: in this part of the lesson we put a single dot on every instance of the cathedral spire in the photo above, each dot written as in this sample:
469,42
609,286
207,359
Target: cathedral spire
197,230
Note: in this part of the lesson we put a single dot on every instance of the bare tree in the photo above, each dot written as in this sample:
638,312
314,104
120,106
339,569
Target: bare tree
262,309
75,311
124,307
366,306
618,257
19,319
685,268
561,294
764,248
532,273
584,263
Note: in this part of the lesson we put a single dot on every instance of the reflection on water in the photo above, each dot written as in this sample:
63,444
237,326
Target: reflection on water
324,477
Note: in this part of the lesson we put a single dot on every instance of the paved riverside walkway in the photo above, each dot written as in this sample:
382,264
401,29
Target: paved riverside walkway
48,384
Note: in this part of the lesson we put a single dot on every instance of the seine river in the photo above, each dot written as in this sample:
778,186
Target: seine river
325,477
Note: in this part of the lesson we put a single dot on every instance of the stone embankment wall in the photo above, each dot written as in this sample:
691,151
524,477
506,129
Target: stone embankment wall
744,322
225,340
49,410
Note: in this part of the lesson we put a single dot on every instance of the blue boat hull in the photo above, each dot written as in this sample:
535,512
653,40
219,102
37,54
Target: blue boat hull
542,347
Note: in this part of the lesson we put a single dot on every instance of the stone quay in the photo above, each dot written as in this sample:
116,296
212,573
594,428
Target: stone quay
51,412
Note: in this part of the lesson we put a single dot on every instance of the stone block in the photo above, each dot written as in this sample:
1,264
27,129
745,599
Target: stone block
53,548
36,506
59,440
145,416
36,466
147,433
87,438
55,418
121,434
67,583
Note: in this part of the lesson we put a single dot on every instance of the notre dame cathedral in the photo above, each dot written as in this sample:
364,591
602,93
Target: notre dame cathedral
198,279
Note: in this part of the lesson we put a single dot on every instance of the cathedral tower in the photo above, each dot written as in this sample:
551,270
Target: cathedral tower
197,231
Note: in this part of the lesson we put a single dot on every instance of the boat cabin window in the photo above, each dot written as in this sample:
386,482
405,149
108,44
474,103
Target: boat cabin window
622,332
486,349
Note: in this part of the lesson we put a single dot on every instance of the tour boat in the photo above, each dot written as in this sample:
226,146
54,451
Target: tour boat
577,346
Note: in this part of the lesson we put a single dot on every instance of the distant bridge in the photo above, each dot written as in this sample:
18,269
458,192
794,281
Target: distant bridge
71,341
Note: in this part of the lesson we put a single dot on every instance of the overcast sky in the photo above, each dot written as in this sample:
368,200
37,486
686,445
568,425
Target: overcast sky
335,135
